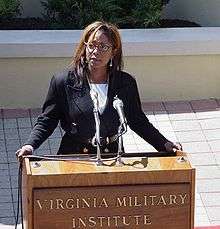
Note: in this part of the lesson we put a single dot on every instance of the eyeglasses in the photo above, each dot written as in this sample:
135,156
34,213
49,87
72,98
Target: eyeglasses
100,46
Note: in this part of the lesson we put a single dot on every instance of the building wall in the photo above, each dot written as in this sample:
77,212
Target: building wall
176,77
169,64
24,81
203,12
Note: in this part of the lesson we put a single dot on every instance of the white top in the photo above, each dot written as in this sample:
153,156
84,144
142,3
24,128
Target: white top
102,91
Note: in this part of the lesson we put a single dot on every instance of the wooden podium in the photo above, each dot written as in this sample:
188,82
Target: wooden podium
147,192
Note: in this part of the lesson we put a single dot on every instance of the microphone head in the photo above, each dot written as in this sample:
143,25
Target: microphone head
117,103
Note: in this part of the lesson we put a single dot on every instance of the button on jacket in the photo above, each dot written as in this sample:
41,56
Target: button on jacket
68,101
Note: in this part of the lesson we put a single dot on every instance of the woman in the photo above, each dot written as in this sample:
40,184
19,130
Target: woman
96,66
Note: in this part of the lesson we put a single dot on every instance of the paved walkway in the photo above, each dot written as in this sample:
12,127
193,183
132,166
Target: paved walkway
196,124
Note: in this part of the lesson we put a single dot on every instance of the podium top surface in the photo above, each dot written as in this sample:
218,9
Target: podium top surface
135,164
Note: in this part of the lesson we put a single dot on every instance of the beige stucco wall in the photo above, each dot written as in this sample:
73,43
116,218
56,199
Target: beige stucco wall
24,81
204,12
176,77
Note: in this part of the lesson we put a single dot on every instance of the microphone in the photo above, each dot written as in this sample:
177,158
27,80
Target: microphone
119,107
94,97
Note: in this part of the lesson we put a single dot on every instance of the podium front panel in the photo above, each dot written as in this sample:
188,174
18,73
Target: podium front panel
134,206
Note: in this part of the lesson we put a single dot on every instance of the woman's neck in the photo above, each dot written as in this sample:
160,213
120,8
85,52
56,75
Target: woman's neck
98,75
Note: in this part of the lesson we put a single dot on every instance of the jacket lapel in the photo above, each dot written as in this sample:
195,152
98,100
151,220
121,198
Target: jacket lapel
79,98
114,88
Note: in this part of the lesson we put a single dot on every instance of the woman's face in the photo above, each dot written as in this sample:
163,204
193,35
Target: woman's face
99,50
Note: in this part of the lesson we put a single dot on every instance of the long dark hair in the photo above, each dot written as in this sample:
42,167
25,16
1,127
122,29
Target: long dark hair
78,63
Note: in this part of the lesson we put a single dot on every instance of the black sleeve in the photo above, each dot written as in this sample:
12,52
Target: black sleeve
48,120
138,121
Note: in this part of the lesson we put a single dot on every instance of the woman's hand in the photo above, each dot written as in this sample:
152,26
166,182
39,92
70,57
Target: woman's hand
23,151
173,147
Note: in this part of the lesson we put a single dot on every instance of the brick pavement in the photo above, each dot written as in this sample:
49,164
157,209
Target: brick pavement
196,124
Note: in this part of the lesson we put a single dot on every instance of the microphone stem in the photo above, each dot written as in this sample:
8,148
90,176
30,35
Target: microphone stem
97,136
119,161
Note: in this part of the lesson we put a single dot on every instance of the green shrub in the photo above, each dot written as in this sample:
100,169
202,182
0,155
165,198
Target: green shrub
147,13
9,9
76,14
140,14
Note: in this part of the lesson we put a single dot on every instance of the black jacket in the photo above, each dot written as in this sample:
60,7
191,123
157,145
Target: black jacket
68,101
